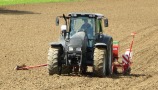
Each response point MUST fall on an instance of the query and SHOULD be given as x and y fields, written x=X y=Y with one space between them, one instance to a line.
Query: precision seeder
x=126 y=58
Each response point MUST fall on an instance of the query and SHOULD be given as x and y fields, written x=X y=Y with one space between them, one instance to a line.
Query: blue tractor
x=82 y=44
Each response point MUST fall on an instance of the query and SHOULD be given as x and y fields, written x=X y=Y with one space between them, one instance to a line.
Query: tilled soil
x=27 y=30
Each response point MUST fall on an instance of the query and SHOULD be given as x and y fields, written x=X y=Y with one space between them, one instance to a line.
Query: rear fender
x=104 y=40
x=101 y=45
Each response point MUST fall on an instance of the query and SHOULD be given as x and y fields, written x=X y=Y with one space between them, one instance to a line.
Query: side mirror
x=106 y=22
x=57 y=21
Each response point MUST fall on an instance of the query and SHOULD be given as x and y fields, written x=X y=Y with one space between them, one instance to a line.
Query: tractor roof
x=75 y=14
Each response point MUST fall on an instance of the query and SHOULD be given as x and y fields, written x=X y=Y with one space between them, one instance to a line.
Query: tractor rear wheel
x=53 y=58
x=100 y=56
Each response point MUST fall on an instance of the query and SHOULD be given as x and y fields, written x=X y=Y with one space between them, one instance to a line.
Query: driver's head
x=85 y=20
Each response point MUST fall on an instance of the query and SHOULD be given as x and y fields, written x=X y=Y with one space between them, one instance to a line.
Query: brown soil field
x=26 y=31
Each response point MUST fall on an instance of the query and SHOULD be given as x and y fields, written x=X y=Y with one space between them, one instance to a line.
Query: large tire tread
x=53 y=57
x=99 y=62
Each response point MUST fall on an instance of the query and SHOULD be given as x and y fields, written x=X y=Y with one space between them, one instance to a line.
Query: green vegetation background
x=12 y=2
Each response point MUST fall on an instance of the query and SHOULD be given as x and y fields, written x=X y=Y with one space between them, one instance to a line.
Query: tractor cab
x=90 y=23
x=86 y=24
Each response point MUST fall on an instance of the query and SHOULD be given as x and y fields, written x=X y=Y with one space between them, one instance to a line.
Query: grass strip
x=12 y=2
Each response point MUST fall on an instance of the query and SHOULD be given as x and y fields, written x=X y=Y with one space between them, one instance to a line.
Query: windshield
x=85 y=24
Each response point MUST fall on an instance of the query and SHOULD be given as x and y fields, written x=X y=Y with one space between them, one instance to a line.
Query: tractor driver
x=87 y=28
x=86 y=25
